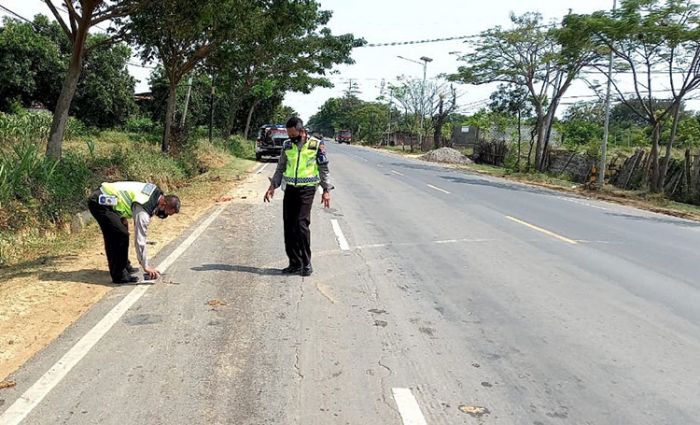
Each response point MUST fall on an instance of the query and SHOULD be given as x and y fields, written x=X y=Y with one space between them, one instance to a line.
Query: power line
x=17 y=15
x=434 y=40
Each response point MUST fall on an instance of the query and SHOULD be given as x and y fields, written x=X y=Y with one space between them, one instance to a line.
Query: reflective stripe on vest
x=302 y=168
x=127 y=193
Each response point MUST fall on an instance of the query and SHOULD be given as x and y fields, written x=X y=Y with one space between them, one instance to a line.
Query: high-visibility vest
x=302 y=167
x=128 y=193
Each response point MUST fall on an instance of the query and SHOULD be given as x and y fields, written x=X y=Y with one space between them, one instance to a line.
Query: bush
x=34 y=127
x=240 y=147
x=141 y=125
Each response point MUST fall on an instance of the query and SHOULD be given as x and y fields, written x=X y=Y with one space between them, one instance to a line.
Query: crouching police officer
x=303 y=165
x=111 y=205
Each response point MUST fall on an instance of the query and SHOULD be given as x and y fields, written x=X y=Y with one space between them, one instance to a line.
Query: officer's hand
x=326 y=199
x=269 y=194
x=125 y=222
x=152 y=272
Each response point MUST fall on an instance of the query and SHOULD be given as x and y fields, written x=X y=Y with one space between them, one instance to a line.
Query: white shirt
x=141 y=221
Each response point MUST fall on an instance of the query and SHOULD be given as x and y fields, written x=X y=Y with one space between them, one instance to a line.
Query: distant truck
x=271 y=137
x=344 y=136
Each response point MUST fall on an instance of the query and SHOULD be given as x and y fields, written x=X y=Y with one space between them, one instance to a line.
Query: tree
x=649 y=38
x=545 y=59
x=283 y=113
x=286 y=48
x=437 y=100
x=82 y=16
x=31 y=65
x=510 y=99
x=182 y=34
x=105 y=93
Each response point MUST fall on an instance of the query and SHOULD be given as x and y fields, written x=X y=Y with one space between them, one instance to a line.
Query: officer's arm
x=323 y=171
x=276 y=180
x=141 y=221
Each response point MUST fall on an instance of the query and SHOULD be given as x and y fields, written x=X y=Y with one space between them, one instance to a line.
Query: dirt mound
x=446 y=155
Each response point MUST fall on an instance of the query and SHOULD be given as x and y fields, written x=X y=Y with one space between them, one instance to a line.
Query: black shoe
x=291 y=269
x=307 y=270
x=131 y=269
x=127 y=279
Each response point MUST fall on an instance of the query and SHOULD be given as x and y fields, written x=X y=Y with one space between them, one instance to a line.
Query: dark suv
x=270 y=140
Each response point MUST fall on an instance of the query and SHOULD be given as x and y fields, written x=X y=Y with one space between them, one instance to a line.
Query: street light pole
x=424 y=62
x=606 y=128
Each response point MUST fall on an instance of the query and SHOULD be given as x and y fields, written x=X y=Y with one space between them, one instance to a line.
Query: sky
x=386 y=21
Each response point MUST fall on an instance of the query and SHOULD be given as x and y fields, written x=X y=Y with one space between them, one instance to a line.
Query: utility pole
x=211 y=108
x=187 y=101
x=424 y=62
x=606 y=127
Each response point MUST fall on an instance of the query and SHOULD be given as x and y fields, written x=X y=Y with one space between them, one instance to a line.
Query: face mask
x=296 y=139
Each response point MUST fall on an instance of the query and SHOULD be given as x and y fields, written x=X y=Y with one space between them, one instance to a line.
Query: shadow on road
x=91 y=276
x=662 y=220
x=497 y=185
x=234 y=268
x=417 y=166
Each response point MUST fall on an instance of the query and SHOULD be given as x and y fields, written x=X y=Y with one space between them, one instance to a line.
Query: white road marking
x=397 y=173
x=342 y=242
x=408 y=407
x=438 y=189
x=545 y=231
x=263 y=168
x=41 y=388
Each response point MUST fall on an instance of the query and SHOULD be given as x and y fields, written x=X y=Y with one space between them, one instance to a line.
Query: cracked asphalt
x=483 y=319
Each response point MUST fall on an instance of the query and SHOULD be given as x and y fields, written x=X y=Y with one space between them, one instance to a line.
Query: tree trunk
x=250 y=117
x=548 y=122
x=669 y=145
x=654 y=159
x=539 y=141
x=70 y=84
x=520 y=139
x=437 y=135
x=169 y=116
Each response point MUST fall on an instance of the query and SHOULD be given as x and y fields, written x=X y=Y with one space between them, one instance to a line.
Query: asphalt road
x=439 y=298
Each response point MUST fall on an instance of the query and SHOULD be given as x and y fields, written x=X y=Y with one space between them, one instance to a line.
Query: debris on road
x=216 y=303
x=475 y=411
x=7 y=384
x=447 y=156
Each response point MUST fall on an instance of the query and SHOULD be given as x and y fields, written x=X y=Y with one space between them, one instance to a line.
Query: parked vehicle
x=271 y=137
x=344 y=136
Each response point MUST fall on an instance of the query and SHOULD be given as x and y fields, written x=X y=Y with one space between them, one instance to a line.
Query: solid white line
x=263 y=167
x=545 y=231
x=397 y=173
x=408 y=407
x=41 y=388
x=437 y=188
x=342 y=242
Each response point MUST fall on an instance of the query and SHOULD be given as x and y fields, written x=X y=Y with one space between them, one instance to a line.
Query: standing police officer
x=111 y=205
x=303 y=165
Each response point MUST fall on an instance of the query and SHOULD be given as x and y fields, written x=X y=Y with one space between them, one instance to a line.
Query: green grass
x=38 y=196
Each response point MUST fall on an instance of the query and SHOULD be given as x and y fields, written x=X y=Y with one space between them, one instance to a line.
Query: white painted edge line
x=541 y=230
x=438 y=189
x=262 y=168
x=31 y=398
x=397 y=173
x=408 y=407
x=342 y=242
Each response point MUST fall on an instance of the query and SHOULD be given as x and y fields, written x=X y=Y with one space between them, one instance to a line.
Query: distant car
x=271 y=137
x=344 y=136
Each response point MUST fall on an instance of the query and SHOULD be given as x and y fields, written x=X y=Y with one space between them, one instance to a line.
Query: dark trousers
x=116 y=237
x=297 y=218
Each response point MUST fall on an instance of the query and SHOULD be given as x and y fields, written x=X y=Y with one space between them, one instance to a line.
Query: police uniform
x=303 y=166
x=124 y=200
